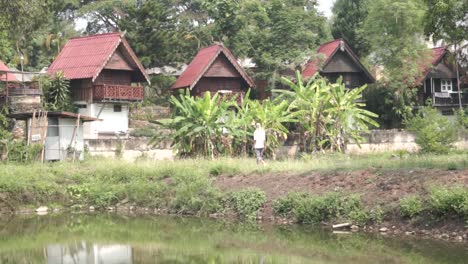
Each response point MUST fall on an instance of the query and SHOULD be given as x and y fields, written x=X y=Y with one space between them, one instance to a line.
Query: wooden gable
x=341 y=62
x=118 y=62
x=222 y=67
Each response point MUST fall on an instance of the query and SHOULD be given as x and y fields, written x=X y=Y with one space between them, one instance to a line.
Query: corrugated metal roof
x=436 y=56
x=5 y=76
x=202 y=62
x=327 y=50
x=62 y=114
x=85 y=57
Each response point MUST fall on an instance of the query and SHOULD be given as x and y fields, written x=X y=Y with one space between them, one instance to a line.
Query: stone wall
x=394 y=140
x=130 y=149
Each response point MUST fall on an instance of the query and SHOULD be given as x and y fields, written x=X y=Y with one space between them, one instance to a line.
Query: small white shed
x=61 y=133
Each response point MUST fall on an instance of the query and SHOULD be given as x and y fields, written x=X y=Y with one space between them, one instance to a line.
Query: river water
x=116 y=239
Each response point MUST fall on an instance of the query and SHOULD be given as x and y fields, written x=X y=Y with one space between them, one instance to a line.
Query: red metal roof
x=202 y=62
x=5 y=76
x=327 y=50
x=85 y=57
x=436 y=56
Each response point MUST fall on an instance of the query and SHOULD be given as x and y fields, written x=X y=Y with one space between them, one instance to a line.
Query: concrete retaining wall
x=130 y=149
x=394 y=140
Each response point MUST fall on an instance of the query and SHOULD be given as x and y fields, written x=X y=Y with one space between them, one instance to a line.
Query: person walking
x=259 y=138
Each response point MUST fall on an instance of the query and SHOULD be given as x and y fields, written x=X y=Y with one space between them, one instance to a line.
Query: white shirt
x=259 y=137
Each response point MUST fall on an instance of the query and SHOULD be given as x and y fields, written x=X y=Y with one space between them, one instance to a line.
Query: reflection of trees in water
x=81 y=252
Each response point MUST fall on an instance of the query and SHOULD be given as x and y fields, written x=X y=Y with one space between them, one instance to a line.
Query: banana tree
x=329 y=115
x=348 y=116
x=196 y=124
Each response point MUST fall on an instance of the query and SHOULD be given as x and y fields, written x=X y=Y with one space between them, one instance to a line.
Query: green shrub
x=434 y=132
x=248 y=202
x=284 y=206
x=193 y=194
x=445 y=201
x=147 y=131
x=411 y=206
x=308 y=208
x=462 y=117
x=221 y=168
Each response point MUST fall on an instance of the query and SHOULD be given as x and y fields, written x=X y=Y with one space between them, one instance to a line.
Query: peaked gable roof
x=203 y=61
x=437 y=55
x=85 y=57
x=5 y=75
x=328 y=50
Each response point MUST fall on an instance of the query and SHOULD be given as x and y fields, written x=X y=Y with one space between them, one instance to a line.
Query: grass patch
x=309 y=208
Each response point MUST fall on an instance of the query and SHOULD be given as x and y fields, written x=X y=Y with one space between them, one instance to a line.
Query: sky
x=325 y=6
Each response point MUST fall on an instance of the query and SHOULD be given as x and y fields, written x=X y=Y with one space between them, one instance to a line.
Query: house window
x=445 y=85
x=117 y=108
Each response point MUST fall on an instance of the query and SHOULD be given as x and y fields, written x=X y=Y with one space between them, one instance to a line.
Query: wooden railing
x=16 y=89
x=449 y=99
x=110 y=92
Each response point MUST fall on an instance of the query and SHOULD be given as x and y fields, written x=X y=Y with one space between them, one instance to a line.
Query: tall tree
x=394 y=29
x=447 y=20
x=348 y=19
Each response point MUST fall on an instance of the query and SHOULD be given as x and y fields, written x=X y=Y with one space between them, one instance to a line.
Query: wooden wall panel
x=114 y=77
x=82 y=90
x=341 y=62
x=216 y=84
x=222 y=67
x=118 y=62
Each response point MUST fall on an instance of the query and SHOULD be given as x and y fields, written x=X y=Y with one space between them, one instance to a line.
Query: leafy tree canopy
x=348 y=18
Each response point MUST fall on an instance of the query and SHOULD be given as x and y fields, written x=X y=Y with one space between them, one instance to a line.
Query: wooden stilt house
x=106 y=76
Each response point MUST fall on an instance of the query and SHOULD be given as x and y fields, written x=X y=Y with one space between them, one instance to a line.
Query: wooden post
x=44 y=125
x=433 y=92
x=74 y=136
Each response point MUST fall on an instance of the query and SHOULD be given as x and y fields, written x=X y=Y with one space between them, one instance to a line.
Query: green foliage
x=394 y=30
x=462 y=118
x=442 y=21
x=308 y=208
x=449 y=201
x=194 y=194
x=284 y=206
x=248 y=202
x=348 y=17
x=19 y=151
x=328 y=114
x=208 y=126
x=57 y=95
x=434 y=132
x=147 y=131
x=411 y=206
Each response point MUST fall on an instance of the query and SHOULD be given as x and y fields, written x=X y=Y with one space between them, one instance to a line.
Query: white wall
x=66 y=130
x=112 y=122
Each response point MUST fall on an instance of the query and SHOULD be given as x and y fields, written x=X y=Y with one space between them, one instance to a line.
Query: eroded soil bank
x=376 y=187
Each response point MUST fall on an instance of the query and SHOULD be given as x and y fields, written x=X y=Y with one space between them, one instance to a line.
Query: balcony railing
x=449 y=99
x=118 y=93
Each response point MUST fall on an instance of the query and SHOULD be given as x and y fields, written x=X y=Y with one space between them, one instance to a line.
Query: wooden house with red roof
x=439 y=82
x=105 y=76
x=335 y=59
x=214 y=69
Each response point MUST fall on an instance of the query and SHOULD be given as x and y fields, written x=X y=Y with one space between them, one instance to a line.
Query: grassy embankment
x=186 y=186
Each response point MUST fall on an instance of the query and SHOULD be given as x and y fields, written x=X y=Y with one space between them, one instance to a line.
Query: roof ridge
x=96 y=35
x=338 y=39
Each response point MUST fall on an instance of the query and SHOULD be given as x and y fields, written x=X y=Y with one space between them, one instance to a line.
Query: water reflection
x=110 y=239
x=88 y=253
